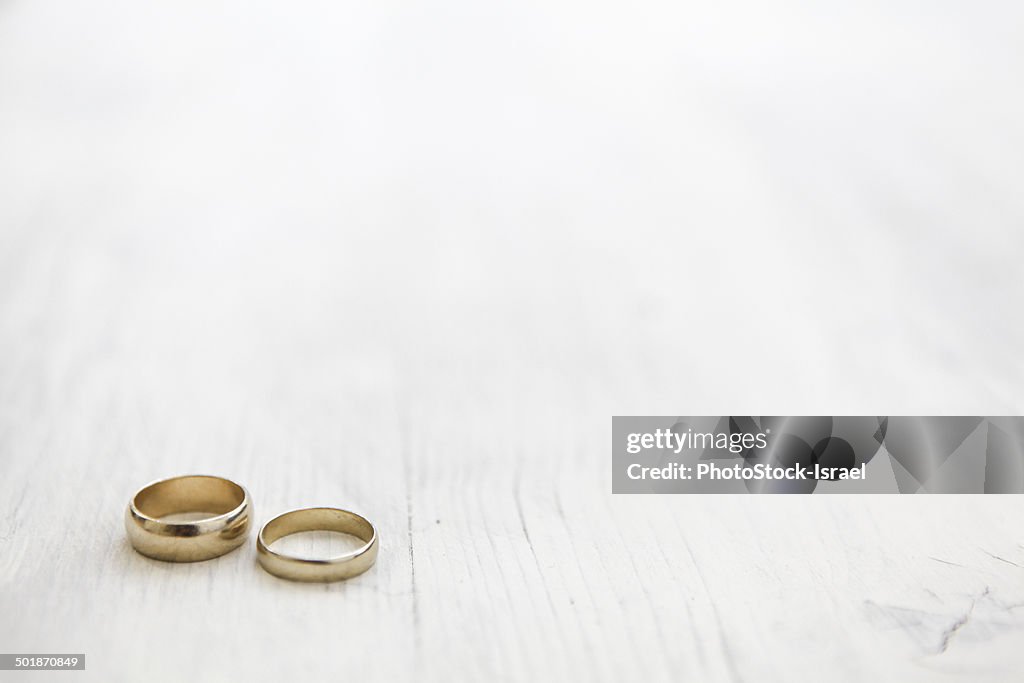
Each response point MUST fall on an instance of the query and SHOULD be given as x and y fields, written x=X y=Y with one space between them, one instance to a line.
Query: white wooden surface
x=409 y=259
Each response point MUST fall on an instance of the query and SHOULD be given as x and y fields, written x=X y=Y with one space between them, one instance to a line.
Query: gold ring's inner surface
x=193 y=495
x=318 y=519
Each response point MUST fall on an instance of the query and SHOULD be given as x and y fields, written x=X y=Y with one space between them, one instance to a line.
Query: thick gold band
x=226 y=505
x=317 y=519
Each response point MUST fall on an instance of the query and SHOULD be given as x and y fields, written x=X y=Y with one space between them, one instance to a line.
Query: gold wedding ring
x=317 y=519
x=222 y=509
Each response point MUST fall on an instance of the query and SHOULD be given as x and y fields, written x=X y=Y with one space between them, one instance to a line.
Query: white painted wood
x=409 y=259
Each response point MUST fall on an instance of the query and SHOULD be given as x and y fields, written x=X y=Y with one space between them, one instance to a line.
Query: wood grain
x=409 y=260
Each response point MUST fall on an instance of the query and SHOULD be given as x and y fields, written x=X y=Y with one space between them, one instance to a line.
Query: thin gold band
x=317 y=519
x=225 y=528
